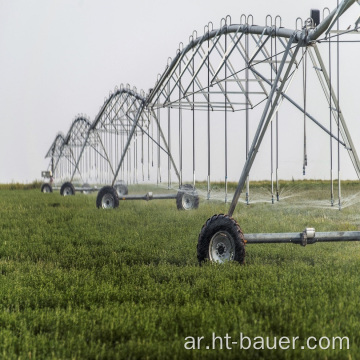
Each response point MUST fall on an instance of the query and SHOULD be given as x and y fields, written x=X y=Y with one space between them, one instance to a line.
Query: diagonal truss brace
x=337 y=113
x=266 y=117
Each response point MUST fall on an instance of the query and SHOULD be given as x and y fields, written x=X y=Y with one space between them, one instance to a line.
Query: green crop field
x=82 y=283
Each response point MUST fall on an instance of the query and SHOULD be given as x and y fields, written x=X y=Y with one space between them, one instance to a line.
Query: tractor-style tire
x=121 y=189
x=46 y=188
x=220 y=240
x=107 y=198
x=187 y=198
x=67 y=189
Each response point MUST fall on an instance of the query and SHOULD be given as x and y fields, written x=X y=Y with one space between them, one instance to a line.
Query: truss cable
x=247 y=141
x=86 y=162
x=122 y=151
x=89 y=164
x=193 y=124
x=277 y=121
x=83 y=167
x=152 y=143
x=208 y=119
x=82 y=163
x=127 y=151
x=100 y=164
x=142 y=155
x=96 y=163
x=148 y=146
x=117 y=135
x=58 y=172
x=271 y=127
x=101 y=167
x=169 y=144
x=131 y=155
x=330 y=118
x=136 y=159
x=158 y=148
x=180 y=130
x=136 y=164
x=107 y=141
x=226 y=124
x=108 y=149
x=104 y=145
x=106 y=136
x=111 y=151
x=304 y=96
x=338 y=107
x=133 y=162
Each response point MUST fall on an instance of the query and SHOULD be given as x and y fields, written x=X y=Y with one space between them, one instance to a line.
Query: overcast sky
x=59 y=58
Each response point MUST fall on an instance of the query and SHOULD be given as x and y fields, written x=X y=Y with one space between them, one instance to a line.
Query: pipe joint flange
x=307 y=236
x=303 y=238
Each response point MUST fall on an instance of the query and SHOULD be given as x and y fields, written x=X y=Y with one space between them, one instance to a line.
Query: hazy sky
x=62 y=57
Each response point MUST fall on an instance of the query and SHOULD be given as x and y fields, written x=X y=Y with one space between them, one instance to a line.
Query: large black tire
x=187 y=198
x=107 y=198
x=121 y=189
x=46 y=188
x=67 y=189
x=220 y=240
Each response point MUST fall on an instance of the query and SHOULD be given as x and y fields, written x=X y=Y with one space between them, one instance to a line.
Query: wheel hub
x=221 y=247
x=188 y=202
x=107 y=201
x=120 y=190
x=67 y=191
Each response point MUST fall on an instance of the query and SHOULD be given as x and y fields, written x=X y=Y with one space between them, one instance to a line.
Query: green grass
x=81 y=283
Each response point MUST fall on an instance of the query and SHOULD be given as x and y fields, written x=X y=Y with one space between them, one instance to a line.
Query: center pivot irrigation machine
x=97 y=152
x=237 y=69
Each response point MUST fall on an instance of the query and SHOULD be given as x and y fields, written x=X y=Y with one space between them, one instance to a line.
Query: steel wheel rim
x=118 y=190
x=107 y=201
x=221 y=247
x=187 y=201
x=46 y=189
x=67 y=191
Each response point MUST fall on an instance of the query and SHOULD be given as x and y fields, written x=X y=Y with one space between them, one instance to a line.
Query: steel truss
x=64 y=151
x=231 y=70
